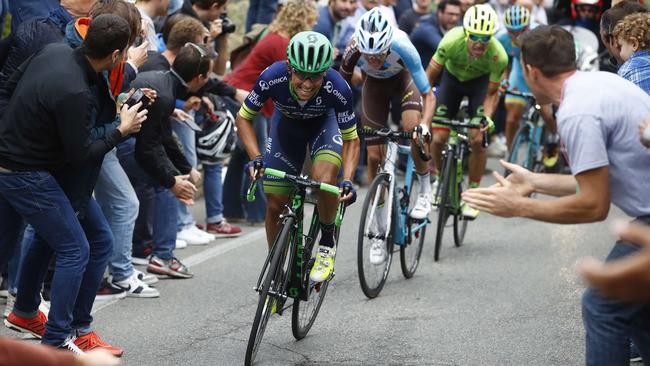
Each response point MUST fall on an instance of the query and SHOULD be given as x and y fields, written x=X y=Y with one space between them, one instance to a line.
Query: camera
x=138 y=96
x=228 y=25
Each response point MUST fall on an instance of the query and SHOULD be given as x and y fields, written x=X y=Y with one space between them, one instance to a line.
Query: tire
x=373 y=277
x=304 y=313
x=411 y=251
x=519 y=154
x=270 y=283
x=460 y=223
x=443 y=206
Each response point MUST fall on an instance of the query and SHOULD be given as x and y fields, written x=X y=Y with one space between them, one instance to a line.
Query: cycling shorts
x=376 y=95
x=518 y=83
x=451 y=93
x=289 y=139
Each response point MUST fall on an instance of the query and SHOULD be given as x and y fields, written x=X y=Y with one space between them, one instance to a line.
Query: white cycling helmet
x=374 y=35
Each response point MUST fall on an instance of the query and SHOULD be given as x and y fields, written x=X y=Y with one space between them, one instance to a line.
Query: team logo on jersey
x=329 y=86
x=254 y=98
x=264 y=85
x=337 y=139
x=319 y=100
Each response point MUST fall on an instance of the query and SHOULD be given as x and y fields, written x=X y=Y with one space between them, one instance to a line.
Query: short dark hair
x=106 y=34
x=192 y=60
x=550 y=49
x=443 y=4
x=207 y=4
x=123 y=9
x=615 y=14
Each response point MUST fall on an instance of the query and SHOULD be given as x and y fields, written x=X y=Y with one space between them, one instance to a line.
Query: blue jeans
x=187 y=138
x=16 y=262
x=260 y=12
x=116 y=197
x=610 y=324
x=165 y=210
x=22 y=10
x=213 y=189
x=37 y=197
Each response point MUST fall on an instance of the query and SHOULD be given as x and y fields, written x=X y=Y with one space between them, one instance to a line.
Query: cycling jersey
x=452 y=53
x=335 y=93
x=516 y=79
x=320 y=124
x=401 y=55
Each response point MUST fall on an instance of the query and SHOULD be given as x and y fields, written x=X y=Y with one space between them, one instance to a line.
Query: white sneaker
x=377 y=253
x=201 y=233
x=136 y=288
x=147 y=278
x=11 y=299
x=180 y=244
x=191 y=238
x=422 y=207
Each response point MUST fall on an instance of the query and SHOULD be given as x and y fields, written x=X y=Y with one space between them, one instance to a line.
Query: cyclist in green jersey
x=471 y=63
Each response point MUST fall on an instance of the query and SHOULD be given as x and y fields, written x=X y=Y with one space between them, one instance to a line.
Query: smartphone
x=138 y=96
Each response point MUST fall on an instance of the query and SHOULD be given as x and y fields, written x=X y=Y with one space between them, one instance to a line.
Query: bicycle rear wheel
x=520 y=149
x=460 y=222
x=374 y=230
x=271 y=286
x=304 y=313
x=443 y=196
x=410 y=252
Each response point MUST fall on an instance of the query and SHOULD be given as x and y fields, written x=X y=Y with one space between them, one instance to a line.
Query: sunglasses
x=202 y=52
x=315 y=77
x=479 y=38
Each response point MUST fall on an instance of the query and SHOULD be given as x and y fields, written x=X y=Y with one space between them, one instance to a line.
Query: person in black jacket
x=158 y=161
x=58 y=95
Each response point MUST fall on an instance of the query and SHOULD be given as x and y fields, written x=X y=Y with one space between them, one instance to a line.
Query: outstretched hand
x=626 y=279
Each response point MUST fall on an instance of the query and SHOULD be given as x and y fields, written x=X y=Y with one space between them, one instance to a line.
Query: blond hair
x=295 y=17
x=635 y=27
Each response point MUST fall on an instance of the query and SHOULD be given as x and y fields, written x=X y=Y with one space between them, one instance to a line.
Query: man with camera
x=213 y=15
x=155 y=159
x=58 y=96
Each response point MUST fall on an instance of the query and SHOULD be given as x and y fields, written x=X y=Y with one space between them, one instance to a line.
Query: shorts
x=451 y=93
x=376 y=95
x=288 y=141
x=518 y=83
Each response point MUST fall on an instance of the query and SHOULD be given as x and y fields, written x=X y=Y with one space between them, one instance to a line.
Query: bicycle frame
x=455 y=149
x=403 y=233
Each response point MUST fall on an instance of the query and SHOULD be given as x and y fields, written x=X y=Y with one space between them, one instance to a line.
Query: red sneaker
x=92 y=341
x=35 y=325
x=224 y=230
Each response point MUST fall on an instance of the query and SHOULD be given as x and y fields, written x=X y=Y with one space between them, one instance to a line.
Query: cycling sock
x=327 y=234
x=425 y=187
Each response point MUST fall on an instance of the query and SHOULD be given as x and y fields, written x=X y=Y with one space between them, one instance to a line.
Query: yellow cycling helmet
x=481 y=20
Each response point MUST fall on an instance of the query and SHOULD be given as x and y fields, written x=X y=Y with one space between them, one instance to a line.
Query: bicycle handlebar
x=397 y=135
x=457 y=125
x=297 y=180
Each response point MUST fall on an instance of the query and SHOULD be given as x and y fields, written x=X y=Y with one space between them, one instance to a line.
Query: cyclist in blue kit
x=314 y=112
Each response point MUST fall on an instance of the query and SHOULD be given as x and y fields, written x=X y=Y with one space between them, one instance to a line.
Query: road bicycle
x=531 y=140
x=387 y=195
x=285 y=273
x=452 y=180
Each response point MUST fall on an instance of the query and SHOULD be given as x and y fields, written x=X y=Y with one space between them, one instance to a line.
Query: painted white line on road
x=205 y=255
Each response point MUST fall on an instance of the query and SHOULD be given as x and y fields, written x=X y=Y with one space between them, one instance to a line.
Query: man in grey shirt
x=609 y=165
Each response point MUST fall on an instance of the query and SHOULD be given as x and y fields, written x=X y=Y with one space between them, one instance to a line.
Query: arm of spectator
x=220 y=63
x=174 y=152
x=20 y=353
x=137 y=56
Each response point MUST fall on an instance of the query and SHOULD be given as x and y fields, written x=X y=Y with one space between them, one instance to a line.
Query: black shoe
x=108 y=291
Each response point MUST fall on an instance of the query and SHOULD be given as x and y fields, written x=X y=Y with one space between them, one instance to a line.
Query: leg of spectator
x=266 y=11
x=232 y=203
x=10 y=231
x=119 y=203
x=608 y=322
x=164 y=223
x=186 y=136
x=213 y=190
x=100 y=240
x=251 y=15
x=15 y=263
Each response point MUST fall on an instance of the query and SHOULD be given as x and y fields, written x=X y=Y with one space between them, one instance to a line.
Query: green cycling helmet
x=310 y=52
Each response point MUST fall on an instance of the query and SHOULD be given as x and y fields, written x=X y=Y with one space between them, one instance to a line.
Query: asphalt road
x=509 y=296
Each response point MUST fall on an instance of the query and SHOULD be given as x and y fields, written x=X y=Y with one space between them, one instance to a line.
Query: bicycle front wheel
x=304 y=313
x=374 y=231
x=443 y=196
x=410 y=252
x=520 y=149
x=460 y=222
x=271 y=286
